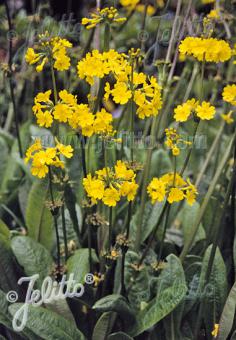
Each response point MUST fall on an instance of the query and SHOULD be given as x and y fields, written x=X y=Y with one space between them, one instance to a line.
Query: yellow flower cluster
x=208 y=49
x=214 y=14
x=173 y=187
x=204 y=111
x=229 y=94
x=173 y=139
x=67 y=110
x=227 y=117
x=110 y=185
x=146 y=91
x=52 y=50
x=132 y=5
x=42 y=158
x=98 y=65
x=105 y=15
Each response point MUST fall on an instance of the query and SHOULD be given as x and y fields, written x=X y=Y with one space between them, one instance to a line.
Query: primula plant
x=118 y=170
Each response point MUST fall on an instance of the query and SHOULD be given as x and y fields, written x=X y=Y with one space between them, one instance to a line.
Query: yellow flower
x=93 y=187
x=205 y=111
x=156 y=190
x=229 y=94
x=31 y=57
x=34 y=147
x=175 y=195
x=115 y=183
x=191 y=193
x=122 y=172
x=214 y=14
x=172 y=186
x=182 y=112
x=62 y=112
x=40 y=67
x=121 y=93
x=65 y=150
x=103 y=122
x=215 y=331
x=42 y=158
x=172 y=141
x=111 y=197
x=107 y=14
x=228 y=117
x=49 y=49
x=208 y=49
x=150 y=9
x=129 y=189
x=44 y=118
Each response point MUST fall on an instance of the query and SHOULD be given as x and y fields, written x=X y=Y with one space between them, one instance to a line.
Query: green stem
x=106 y=46
x=190 y=149
x=164 y=233
x=123 y=291
x=110 y=229
x=197 y=123
x=54 y=84
x=144 y=24
x=124 y=250
x=88 y=43
x=107 y=36
x=83 y=157
x=90 y=247
x=145 y=180
x=54 y=214
x=132 y=114
x=64 y=231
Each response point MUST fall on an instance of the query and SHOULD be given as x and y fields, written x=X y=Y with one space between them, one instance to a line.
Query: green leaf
x=33 y=257
x=78 y=264
x=4 y=156
x=47 y=324
x=119 y=336
x=115 y=303
x=227 y=316
x=4 y=230
x=8 y=267
x=187 y=217
x=150 y=218
x=171 y=290
x=137 y=282
x=161 y=163
x=70 y=232
x=102 y=327
x=74 y=210
x=216 y=289
x=38 y=217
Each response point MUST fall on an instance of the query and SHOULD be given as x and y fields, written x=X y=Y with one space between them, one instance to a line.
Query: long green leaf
x=47 y=324
x=33 y=257
x=78 y=264
x=227 y=316
x=170 y=292
x=38 y=217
